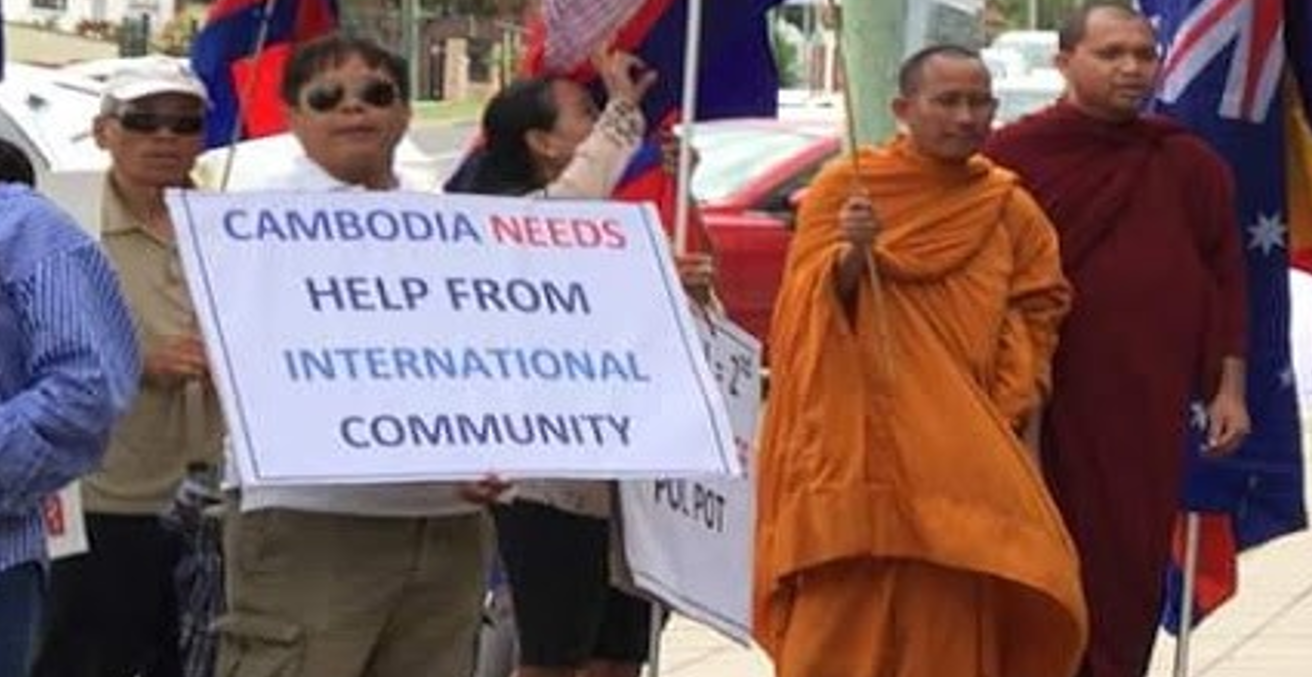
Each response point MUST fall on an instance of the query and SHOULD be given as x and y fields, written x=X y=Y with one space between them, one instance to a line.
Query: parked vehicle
x=1003 y=63
x=1023 y=94
x=749 y=179
x=1036 y=48
x=49 y=115
x=100 y=70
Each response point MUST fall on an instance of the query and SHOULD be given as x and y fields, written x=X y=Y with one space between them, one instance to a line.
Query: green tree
x=787 y=55
x=1050 y=12
x=486 y=7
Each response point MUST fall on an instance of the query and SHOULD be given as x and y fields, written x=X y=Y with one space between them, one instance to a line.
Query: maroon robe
x=1147 y=223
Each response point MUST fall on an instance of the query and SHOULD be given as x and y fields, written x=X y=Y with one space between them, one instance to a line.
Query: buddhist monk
x=903 y=530
x=1146 y=217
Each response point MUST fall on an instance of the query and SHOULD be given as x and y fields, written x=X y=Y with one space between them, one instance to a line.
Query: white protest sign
x=689 y=541
x=363 y=337
x=66 y=526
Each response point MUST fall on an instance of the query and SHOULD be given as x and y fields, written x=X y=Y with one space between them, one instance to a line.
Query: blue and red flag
x=225 y=56
x=737 y=76
x=1221 y=75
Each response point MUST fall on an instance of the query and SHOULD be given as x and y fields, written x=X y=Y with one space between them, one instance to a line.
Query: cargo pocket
x=258 y=646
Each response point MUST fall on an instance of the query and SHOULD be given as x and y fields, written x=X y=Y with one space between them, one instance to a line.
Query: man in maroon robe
x=1147 y=223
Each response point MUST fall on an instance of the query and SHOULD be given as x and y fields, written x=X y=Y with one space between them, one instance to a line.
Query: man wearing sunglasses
x=351 y=581
x=114 y=612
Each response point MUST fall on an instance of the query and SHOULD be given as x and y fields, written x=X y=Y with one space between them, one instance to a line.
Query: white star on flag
x=1287 y=377
x=1267 y=234
x=1198 y=416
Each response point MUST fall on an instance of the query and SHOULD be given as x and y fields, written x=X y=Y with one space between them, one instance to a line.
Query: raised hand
x=624 y=75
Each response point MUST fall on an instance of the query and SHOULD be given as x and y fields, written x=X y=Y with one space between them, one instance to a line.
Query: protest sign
x=367 y=337
x=689 y=541
x=65 y=523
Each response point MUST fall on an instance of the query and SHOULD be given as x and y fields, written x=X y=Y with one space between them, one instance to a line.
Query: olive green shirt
x=170 y=425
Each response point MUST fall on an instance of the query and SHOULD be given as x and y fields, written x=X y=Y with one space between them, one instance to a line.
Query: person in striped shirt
x=68 y=369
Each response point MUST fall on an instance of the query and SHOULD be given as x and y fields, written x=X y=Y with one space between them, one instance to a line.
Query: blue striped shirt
x=68 y=362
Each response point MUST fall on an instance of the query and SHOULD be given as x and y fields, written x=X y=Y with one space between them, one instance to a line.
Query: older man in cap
x=114 y=611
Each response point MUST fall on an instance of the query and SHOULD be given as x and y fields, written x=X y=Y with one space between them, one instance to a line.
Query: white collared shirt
x=435 y=499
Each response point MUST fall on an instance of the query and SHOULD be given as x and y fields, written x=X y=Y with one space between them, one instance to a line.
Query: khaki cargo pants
x=324 y=595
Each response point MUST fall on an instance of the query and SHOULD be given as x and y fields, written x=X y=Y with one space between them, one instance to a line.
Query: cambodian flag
x=737 y=74
x=1221 y=75
x=225 y=56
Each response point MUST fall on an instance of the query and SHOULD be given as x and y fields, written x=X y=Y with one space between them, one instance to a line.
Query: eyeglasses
x=373 y=92
x=143 y=122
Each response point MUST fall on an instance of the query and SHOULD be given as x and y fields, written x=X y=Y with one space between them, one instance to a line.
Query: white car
x=49 y=115
x=100 y=70
x=1036 y=48
x=1025 y=94
x=805 y=105
x=1003 y=63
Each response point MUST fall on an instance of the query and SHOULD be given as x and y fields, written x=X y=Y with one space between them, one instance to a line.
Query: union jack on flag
x=1221 y=75
x=1251 y=32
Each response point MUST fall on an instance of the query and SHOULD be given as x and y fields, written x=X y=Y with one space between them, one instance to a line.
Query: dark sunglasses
x=142 y=122
x=373 y=92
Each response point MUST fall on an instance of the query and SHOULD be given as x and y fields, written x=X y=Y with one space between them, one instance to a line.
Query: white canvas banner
x=689 y=541
x=361 y=337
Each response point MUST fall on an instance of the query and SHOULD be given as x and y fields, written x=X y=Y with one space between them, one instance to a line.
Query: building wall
x=457 y=55
x=68 y=14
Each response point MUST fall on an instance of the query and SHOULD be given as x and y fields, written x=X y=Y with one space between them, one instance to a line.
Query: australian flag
x=1221 y=74
x=227 y=56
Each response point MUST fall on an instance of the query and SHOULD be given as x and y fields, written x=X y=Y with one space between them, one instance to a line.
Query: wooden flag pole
x=885 y=366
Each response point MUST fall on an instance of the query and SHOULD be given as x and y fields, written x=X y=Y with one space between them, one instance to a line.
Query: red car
x=748 y=178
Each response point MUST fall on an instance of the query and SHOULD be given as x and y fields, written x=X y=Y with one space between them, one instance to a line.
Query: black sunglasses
x=374 y=92
x=142 y=122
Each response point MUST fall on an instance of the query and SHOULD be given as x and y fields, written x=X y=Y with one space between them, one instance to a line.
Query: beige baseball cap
x=151 y=75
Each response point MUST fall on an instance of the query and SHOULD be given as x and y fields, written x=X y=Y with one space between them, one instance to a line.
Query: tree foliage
x=484 y=7
x=1050 y=12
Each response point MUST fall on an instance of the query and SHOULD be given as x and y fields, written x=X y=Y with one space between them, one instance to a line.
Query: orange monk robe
x=918 y=474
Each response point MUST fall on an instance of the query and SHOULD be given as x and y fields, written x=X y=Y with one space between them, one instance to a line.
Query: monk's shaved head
x=1076 y=24
x=912 y=74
